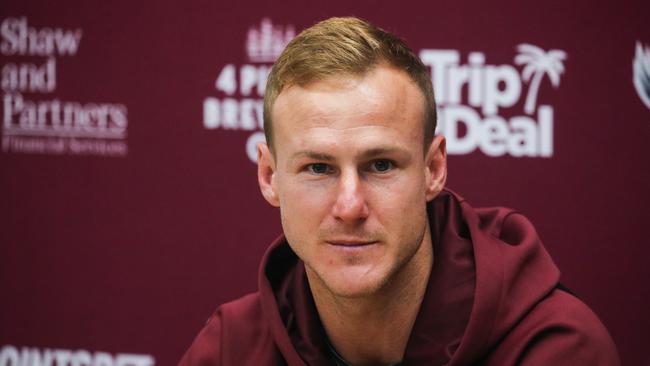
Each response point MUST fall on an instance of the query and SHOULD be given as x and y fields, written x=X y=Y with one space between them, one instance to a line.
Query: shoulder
x=236 y=333
x=560 y=330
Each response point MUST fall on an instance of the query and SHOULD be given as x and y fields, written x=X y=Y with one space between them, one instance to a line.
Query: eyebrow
x=382 y=151
x=312 y=155
x=368 y=154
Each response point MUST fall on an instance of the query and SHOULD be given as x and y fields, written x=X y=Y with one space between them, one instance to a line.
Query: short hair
x=350 y=46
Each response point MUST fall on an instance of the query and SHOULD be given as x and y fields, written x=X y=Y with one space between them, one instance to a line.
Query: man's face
x=351 y=177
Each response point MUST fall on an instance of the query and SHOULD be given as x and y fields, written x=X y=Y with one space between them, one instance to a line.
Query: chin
x=353 y=282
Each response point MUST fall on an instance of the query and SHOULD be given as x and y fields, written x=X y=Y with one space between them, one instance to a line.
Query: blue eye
x=318 y=168
x=382 y=165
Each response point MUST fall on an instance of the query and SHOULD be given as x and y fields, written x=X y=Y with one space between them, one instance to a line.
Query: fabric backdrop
x=131 y=208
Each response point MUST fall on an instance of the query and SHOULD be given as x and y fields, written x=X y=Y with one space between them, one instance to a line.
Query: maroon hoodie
x=492 y=299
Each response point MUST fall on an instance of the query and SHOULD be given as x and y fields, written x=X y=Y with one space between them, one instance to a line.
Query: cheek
x=302 y=208
x=401 y=207
x=300 y=197
x=400 y=195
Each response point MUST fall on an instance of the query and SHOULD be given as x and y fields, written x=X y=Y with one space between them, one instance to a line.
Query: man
x=379 y=264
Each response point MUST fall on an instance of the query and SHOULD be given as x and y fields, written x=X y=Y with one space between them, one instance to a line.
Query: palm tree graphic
x=538 y=63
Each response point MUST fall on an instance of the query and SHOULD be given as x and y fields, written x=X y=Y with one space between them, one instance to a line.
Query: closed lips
x=350 y=243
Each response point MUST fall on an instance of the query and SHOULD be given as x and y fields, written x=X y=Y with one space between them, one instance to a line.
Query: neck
x=374 y=329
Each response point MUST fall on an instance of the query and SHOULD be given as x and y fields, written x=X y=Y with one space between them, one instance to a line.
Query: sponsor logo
x=36 y=125
x=478 y=103
x=471 y=97
x=238 y=105
x=641 y=71
x=30 y=356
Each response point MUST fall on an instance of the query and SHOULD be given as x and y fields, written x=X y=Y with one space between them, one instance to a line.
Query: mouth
x=346 y=243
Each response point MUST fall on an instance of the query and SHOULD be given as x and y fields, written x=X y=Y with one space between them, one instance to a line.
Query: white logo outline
x=538 y=63
x=641 y=73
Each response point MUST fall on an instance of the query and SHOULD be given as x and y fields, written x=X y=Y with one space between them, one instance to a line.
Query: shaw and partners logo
x=30 y=356
x=641 y=71
x=489 y=89
x=240 y=87
x=47 y=125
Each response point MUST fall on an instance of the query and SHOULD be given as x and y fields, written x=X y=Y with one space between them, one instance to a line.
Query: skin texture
x=351 y=177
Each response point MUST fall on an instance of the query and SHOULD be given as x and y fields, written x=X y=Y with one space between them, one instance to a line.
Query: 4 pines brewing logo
x=240 y=88
x=490 y=88
x=33 y=124
x=471 y=97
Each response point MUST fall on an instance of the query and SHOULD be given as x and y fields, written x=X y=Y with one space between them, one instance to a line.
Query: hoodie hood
x=490 y=269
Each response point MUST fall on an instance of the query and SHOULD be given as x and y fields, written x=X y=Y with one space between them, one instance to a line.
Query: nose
x=351 y=204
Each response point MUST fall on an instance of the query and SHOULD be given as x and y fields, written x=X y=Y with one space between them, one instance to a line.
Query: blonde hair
x=345 y=46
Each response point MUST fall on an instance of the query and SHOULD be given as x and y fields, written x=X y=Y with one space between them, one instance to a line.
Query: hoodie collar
x=469 y=304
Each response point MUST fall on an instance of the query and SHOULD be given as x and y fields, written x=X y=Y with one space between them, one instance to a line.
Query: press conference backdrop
x=130 y=207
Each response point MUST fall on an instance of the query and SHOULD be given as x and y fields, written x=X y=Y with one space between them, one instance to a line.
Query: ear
x=266 y=174
x=436 y=167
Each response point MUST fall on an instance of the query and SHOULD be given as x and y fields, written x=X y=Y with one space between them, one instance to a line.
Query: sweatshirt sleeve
x=562 y=330
x=206 y=348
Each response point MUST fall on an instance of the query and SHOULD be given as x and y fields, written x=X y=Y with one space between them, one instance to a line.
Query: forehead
x=349 y=109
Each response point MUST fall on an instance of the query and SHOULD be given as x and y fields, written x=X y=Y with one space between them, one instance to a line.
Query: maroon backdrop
x=130 y=207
